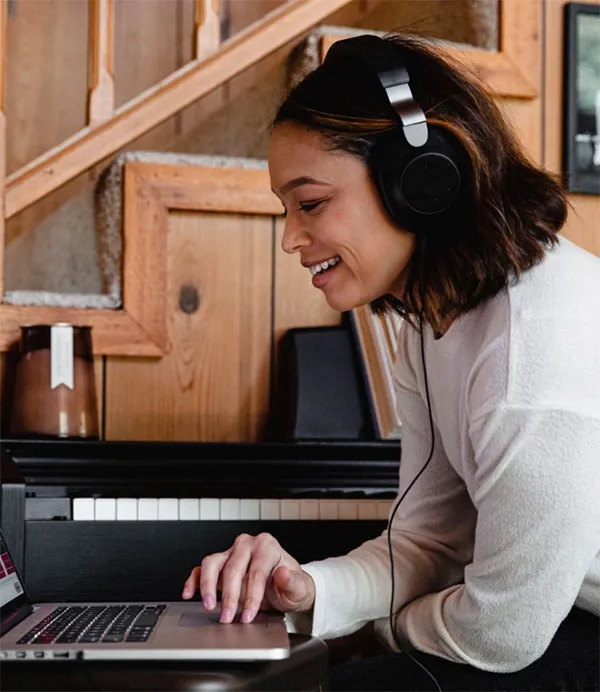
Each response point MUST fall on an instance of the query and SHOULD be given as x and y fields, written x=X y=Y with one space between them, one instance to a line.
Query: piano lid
x=206 y=469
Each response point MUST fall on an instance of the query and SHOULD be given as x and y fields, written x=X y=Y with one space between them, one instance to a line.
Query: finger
x=266 y=556
x=290 y=588
x=210 y=570
x=191 y=583
x=233 y=574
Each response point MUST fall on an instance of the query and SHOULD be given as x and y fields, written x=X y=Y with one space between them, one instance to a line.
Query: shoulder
x=555 y=331
x=536 y=342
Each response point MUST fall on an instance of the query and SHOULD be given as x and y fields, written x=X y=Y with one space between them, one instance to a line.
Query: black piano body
x=331 y=497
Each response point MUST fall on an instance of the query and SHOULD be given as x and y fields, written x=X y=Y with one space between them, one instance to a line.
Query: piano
x=129 y=520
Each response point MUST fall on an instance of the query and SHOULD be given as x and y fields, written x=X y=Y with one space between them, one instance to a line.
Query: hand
x=257 y=571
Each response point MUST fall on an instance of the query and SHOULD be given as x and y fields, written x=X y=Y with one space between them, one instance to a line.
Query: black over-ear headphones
x=418 y=171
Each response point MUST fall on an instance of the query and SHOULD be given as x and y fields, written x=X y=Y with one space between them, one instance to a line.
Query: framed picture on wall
x=581 y=147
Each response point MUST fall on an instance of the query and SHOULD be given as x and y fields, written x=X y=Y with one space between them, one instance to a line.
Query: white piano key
x=83 y=509
x=367 y=509
x=309 y=508
x=383 y=509
x=105 y=509
x=189 y=509
x=328 y=509
x=147 y=508
x=348 y=509
x=249 y=509
x=269 y=509
x=209 y=508
x=290 y=509
x=168 y=509
x=230 y=508
x=127 y=509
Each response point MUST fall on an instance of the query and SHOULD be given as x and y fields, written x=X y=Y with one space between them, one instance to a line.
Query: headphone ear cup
x=417 y=186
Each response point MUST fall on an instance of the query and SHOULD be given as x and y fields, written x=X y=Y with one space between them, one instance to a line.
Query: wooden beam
x=114 y=332
x=93 y=144
x=498 y=72
x=101 y=103
x=3 y=32
x=208 y=28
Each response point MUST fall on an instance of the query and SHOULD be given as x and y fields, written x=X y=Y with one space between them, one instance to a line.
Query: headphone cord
x=416 y=478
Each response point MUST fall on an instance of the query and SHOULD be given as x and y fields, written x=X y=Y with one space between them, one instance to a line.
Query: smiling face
x=334 y=215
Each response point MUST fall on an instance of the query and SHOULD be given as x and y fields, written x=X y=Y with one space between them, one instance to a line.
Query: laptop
x=179 y=631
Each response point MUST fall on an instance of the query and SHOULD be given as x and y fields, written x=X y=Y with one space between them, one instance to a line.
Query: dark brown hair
x=513 y=209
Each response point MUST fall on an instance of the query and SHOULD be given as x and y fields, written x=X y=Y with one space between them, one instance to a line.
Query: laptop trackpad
x=203 y=619
x=199 y=619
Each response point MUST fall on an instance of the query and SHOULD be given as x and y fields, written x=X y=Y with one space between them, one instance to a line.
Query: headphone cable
x=416 y=478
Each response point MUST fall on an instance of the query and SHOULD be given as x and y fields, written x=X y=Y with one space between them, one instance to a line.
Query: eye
x=307 y=207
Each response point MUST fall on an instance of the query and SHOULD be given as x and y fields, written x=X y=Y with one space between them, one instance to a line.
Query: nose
x=294 y=238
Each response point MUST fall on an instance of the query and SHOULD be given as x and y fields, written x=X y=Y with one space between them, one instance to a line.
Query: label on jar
x=61 y=356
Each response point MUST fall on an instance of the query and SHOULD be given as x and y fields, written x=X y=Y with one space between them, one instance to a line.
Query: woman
x=495 y=535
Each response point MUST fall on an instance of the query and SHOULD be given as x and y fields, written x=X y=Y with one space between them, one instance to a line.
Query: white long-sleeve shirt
x=500 y=536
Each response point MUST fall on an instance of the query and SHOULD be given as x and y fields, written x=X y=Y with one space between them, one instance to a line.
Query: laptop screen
x=12 y=593
x=10 y=586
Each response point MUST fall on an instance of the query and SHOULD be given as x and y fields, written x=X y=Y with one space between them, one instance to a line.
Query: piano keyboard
x=223 y=509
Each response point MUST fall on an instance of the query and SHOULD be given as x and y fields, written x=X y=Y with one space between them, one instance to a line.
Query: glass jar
x=55 y=387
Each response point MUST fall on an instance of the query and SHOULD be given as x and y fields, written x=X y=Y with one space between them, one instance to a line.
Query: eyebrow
x=297 y=182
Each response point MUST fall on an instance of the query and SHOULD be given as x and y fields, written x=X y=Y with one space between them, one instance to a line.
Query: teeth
x=318 y=268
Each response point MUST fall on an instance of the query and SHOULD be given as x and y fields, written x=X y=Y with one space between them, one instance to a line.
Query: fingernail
x=186 y=593
x=227 y=615
x=208 y=603
x=246 y=616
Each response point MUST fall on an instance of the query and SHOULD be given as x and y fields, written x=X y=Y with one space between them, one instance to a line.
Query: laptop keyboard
x=91 y=624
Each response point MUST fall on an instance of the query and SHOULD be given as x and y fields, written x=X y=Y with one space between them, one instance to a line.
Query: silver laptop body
x=180 y=631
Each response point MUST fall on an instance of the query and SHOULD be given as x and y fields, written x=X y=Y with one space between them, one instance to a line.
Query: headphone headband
x=383 y=59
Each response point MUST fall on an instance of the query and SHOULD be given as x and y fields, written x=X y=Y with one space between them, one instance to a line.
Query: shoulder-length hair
x=512 y=211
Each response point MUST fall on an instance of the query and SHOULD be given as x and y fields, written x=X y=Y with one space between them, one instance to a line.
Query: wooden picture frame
x=150 y=191
x=513 y=71
x=581 y=98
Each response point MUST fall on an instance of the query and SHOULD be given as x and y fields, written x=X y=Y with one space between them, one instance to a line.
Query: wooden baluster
x=3 y=50
x=101 y=105
x=208 y=28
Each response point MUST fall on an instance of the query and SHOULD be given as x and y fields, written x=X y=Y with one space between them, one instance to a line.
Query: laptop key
x=147 y=620
x=113 y=637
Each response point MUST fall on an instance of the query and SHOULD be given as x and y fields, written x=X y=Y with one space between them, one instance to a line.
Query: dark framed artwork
x=581 y=146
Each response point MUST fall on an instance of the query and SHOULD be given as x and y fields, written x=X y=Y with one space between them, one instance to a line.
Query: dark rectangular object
x=319 y=392
x=581 y=86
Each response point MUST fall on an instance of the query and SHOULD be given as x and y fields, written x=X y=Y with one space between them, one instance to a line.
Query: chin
x=342 y=303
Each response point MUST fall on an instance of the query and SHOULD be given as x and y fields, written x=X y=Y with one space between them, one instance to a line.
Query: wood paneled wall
x=232 y=293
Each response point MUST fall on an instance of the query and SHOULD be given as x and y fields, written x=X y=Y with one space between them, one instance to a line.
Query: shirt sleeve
x=432 y=533
x=536 y=488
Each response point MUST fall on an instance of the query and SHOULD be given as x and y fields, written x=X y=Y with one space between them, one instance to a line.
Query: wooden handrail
x=208 y=28
x=93 y=144
x=3 y=26
x=101 y=104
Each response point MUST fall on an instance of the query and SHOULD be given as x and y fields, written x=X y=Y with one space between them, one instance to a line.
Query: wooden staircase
x=513 y=72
